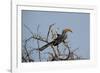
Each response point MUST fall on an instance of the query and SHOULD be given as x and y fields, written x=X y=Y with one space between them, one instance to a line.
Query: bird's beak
x=67 y=30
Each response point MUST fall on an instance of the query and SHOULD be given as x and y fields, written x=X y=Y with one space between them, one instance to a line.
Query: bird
x=60 y=38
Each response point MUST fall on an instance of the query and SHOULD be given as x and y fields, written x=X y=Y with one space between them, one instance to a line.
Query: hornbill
x=60 y=38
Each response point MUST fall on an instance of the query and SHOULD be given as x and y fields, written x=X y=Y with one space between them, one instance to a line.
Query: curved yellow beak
x=67 y=30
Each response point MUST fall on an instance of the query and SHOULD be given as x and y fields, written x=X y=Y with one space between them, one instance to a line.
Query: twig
x=23 y=59
x=58 y=50
x=38 y=43
x=75 y=49
x=49 y=30
x=39 y=38
x=54 y=50
x=67 y=46
x=53 y=35
x=26 y=48
x=28 y=29
x=33 y=36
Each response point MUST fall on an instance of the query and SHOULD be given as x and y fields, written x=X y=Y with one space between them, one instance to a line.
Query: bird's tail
x=45 y=46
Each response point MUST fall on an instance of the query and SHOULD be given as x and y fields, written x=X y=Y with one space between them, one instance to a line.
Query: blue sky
x=78 y=22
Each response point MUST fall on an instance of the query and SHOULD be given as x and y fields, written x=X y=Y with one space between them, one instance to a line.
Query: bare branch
x=28 y=29
x=49 y=30
x=38 y=42
x=39 y=38
x=67 y=46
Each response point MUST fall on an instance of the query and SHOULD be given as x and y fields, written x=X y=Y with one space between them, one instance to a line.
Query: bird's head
x=67 y=30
